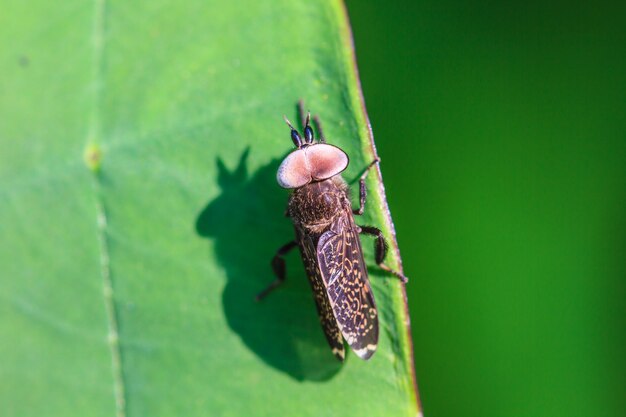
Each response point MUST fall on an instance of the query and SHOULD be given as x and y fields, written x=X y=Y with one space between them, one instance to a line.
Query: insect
x=328 y=239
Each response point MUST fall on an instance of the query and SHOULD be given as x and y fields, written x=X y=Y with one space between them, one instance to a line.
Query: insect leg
x=301 y=112
x=318 y=127
x=278 y=265
x=362 y=190
x=380 y=249
x=316 y=121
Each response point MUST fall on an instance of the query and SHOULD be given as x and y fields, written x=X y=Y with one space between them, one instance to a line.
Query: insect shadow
x=247 y=224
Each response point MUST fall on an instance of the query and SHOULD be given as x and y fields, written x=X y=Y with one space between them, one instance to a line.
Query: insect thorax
x=316 y=205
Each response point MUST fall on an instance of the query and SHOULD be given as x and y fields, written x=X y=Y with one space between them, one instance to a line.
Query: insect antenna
x=308 y=131
x=295 y=136
x=288 y=122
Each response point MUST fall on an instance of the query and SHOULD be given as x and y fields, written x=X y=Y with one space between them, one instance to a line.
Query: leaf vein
x=94 y=137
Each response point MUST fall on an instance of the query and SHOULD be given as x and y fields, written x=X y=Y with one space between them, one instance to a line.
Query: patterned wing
x=345 y=276
x=324 y=309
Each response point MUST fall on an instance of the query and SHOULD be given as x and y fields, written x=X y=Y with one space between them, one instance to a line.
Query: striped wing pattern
x=324 y=308
x=344 y=276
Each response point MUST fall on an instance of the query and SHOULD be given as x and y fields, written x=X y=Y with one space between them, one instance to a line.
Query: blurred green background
x=501 y=127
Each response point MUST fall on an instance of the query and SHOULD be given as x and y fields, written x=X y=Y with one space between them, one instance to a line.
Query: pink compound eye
x=325 y=160
x=315 y=162
x=294 y=171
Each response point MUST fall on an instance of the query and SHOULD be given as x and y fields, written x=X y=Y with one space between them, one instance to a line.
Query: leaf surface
x=139 y=211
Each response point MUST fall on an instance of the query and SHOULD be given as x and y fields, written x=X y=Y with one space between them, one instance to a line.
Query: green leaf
x=139 y=211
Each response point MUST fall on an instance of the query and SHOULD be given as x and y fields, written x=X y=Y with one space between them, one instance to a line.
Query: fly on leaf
x=328 y=239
